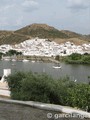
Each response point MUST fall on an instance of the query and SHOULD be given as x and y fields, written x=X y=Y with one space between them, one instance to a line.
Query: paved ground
x=9 y=111
x=4 y=89
x=4 y=92
x=3 y=85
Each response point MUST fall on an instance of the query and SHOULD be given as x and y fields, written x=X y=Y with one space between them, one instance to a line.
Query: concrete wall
x=19 y=110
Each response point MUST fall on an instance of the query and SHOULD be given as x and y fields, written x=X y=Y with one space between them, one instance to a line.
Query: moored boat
x=33 y=61
x=25 y=60
x=57 y=66
x=13 y=60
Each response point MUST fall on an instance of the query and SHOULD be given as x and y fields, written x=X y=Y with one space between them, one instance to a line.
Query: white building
x=44 y=47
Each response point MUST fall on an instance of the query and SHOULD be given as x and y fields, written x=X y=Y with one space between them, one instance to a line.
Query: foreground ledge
x=48 y=107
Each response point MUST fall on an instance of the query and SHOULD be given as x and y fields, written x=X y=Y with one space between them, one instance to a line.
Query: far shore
x=46 y=59
x=32 y=58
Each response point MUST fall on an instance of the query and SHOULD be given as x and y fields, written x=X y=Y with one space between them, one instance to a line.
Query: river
x=76 y=72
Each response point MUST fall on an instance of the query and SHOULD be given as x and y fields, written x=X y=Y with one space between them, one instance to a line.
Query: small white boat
x=33 y=61
x=13 y=60
x=13 y=64
x=25 y=60
x=6 y=59
x=75 y=80
x=57 y=67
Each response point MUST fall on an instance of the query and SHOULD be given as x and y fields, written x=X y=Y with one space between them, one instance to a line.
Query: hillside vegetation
x=41 y=31
x=71 y=34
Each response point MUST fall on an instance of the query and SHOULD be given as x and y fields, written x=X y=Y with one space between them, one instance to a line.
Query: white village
x=45 y=47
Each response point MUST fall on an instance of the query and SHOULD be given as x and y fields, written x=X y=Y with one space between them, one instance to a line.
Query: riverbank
x=31 y=58
x=76 y=58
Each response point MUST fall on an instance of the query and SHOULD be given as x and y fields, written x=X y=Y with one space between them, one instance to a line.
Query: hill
x=41 y=31
x=76 y=35
x=87 y=37
x=9 y=37
x=71 y=34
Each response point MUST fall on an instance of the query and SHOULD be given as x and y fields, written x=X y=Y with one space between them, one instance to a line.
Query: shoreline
x=33 y=58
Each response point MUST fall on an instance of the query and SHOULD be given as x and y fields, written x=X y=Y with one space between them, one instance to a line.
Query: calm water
x=79 y=72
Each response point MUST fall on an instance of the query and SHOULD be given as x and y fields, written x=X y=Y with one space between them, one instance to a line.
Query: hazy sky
x=71 y=15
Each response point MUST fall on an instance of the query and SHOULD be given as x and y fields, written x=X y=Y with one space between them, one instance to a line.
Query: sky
x=73 y=15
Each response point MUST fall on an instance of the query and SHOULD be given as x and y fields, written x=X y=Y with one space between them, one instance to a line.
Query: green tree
x=29 y=86
x=86 y=59
x=1 y=54
x=14 y=82
x=57 y=57
x=13 y=52
x=75 y=56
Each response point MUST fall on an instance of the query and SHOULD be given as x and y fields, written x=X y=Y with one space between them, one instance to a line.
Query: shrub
x=75 y=56
x=29 y=86
x=43 y=88
x=79 y=96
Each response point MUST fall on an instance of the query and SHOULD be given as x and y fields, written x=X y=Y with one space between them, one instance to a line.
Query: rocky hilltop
x=41 y=31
